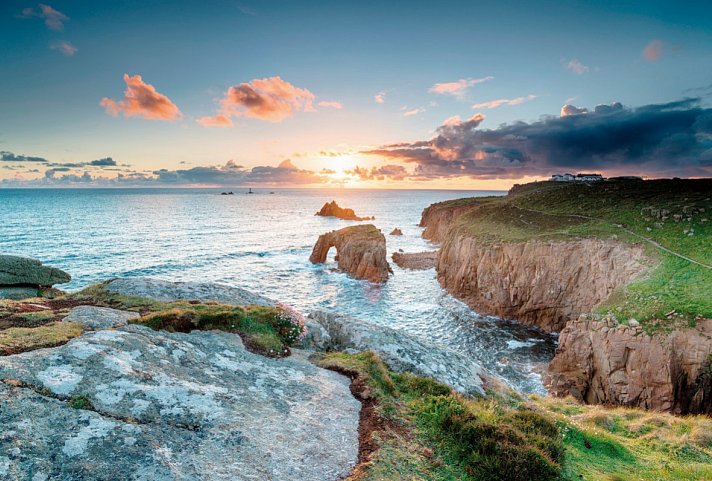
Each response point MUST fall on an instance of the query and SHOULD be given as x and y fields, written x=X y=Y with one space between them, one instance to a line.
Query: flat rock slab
x=100 y=317
x=16 y=270
x=167 y=406
x=418 y=261
x=18 y=292
x=400 y=350
x=166 y=291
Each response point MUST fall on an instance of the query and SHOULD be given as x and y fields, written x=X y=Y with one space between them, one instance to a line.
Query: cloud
x=654 y=50
x=142 y=100
x=105 y=162
x=332 y=104
x=576 y=67
x=663 y=140
x=6 y=156
x=493 y=104
x=380 y=98
x=384 y=172
x=458 y=88
x=270 y=99
x=412 y=112
x=64 y=47
x=53 y=19
x=569 y=109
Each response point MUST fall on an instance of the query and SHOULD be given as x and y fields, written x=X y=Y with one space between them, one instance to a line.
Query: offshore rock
x=415 y=260
x=165 y=291
x=332 y=209
x=361 y=252
x=396 y=231
x=160 y=406
x=600 y=362
x=400 y=351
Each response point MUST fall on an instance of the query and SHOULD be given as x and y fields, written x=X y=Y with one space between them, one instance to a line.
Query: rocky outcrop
x=396 y=231
x=361 y=252
x=543 y=283
x=401 y=351
x=415 y=260
x=166 y=291
x=92 y=317
x=332 y=209
x=599 y=361
x=22 y=277
x=137 y=404
x=438 y=218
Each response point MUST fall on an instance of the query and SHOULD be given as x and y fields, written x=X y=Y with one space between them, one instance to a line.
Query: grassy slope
x=429 y=433
x=549 y=210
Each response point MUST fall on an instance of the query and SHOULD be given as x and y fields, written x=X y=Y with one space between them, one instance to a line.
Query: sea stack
x=332 y=209
x=361 y=252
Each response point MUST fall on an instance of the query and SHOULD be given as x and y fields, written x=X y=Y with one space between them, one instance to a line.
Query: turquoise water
x=262 y=242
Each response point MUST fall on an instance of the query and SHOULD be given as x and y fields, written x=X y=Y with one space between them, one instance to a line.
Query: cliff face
x=361 y=252
x=544 y=283
x=603 y=363
x=438 y=218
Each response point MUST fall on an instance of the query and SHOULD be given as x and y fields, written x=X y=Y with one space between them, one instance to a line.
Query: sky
x=399 y=94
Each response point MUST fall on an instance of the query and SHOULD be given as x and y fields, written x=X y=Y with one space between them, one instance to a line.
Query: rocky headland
x=360 y=252
x=634 y=253
x=332 y=209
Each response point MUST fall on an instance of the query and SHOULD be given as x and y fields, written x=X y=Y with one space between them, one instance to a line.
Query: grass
x=424 y=431
x=624 y=444
x=21 y=339
x=674 y=292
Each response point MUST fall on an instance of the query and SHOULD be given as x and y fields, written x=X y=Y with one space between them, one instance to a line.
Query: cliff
x=543 y=283
x=360 y=252
x=638 y=252
x=602 y=362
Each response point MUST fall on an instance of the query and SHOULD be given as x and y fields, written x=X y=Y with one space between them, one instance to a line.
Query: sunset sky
x=413 y=94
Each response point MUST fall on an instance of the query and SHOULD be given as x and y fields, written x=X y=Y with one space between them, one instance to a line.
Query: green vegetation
x=20 y=339
x=604 y=443
x=418 y=429
x=676 y=214
x=79 y=402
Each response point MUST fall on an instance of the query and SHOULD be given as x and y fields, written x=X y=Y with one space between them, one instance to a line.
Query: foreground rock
x=361 y=252
x=161 y=406
x=605 y=363
x=332 y=209
x=23 y=277
x=93 y=317
x=401 y=351
x=415 y=260
x=166 y=291
x=543 y=283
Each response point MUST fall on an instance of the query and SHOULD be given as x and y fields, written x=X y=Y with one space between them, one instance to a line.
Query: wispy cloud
x=64 y=47
x=380 y=98
x=493 y=104
x=576 y=67
x=142 y=100
x=654 y=50
x=330 y=104
x=54 y=19
x=458 y=88
x=412 y=112
x=270 y=99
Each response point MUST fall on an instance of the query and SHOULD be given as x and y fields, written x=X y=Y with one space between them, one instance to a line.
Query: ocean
x=262 y=242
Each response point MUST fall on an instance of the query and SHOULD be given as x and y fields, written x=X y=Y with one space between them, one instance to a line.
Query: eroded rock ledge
x=361 y=252
x=601 y=362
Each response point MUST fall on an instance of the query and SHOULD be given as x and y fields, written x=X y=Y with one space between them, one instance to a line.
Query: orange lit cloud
x=270 y=99
x=654 y=50
x=142 y=100
x=457 y=88
x=331 y=104
x=380 y=98
x=493 y=104
x=412 y=112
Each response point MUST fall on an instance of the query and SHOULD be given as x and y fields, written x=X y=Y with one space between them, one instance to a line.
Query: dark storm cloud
x=384 y=172
x=663 y=139
x=233 y=174
x=105 y=162
x=10 y=157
